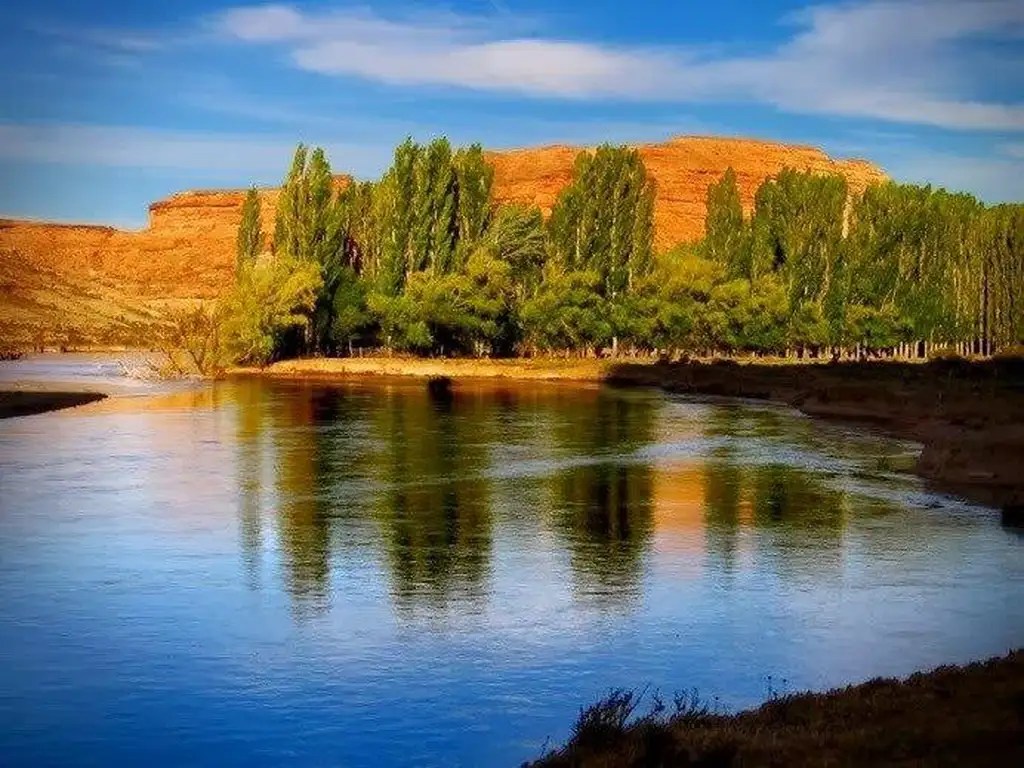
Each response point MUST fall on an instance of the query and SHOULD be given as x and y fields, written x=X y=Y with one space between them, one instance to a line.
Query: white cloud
x=131 y=147
x=1013 y=150
x=912 y=61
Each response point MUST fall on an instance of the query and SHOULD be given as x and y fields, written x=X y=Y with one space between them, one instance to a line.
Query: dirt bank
x=549 y=369
x=967 y=716
x=22 y=403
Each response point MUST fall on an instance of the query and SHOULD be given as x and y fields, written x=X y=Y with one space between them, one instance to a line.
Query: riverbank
x=968 y=416
x=25 y=403
x=968 y=716
x=522 y=369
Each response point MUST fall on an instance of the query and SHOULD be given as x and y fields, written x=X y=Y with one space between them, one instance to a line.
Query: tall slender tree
x=250 y=232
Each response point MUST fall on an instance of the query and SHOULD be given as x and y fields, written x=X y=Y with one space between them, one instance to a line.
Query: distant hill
x=99 y=284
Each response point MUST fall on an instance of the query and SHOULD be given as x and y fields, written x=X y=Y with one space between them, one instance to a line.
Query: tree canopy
x=425 y=261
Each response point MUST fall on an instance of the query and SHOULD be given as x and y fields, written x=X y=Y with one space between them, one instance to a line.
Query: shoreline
x=968 y=416
x=21 y=402
x=513 y=369
x=953 y=715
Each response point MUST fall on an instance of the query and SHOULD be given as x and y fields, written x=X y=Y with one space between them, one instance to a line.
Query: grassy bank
x=967 y=716
x=22 y=403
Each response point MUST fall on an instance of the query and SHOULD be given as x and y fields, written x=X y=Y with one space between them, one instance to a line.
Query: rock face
x=187 y=250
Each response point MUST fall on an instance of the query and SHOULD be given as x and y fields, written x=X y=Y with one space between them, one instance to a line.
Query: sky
x=106 y=105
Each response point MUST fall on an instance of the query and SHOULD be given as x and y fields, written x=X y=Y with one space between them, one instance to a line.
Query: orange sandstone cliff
x=100 y=284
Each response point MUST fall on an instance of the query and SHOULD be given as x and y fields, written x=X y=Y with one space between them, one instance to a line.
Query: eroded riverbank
x=968 y=416
x=24 y=403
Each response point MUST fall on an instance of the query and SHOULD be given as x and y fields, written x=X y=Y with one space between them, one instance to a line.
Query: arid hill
x=187 y=250
x=682 y=168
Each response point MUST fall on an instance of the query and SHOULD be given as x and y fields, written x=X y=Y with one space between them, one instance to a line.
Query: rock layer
x=187 y=249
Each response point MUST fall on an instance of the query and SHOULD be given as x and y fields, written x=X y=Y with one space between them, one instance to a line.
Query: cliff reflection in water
x=426 y=489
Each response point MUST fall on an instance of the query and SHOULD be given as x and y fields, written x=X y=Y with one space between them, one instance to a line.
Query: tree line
x=424 y=261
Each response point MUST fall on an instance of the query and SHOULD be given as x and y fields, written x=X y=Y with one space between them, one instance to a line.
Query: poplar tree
x=474 y=179
x=603 y=220
x=726 y=237
x=250 y=232
x=394 y=212
x=443 y=214
x=290 y=206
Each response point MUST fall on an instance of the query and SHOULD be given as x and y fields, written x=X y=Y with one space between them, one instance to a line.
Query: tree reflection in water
x=422 y=479
x=603 y=502
x=434 y=508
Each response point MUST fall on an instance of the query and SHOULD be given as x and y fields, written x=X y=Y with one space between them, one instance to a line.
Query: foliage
x=250 y=231
x=191 y=342
x=350 y=316
x=270 y=298
x=727 y=239
x=451 y=313
x=604 y=220
x=568 y=312
x=425 y=261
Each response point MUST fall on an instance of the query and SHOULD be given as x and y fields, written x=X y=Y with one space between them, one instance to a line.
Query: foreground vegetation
x=969 y=716
x=424 y=262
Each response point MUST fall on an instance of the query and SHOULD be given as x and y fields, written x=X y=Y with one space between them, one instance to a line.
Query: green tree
x=269 y=299
x=727 y=237
x=475 y=178
x=603 y=220
x=394 y=209
x=250 y=233
x=568 y=312
x=290 y=206
x=350 y=317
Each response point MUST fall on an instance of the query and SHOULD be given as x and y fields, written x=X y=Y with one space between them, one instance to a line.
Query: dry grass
x=966 y=716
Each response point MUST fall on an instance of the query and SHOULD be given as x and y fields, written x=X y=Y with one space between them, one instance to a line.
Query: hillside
x=96 y=282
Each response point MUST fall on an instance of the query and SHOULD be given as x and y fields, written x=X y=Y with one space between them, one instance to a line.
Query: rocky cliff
x=187 y=250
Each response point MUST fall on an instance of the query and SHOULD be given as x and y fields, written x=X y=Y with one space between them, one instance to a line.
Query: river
x=263 y=572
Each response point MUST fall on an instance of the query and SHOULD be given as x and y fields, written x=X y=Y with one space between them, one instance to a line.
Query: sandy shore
x=547 y=369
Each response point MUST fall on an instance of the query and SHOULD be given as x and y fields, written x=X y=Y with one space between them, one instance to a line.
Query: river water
x=257 y=573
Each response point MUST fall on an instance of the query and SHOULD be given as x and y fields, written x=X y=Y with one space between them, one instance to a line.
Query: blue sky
x=105 y=106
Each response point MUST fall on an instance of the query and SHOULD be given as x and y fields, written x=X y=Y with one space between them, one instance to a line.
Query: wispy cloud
x=993 y=179
x=208 y=152
x=114 y=40
x=908 y=61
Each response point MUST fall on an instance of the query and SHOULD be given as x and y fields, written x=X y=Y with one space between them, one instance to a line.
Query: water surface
x=358 y=574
